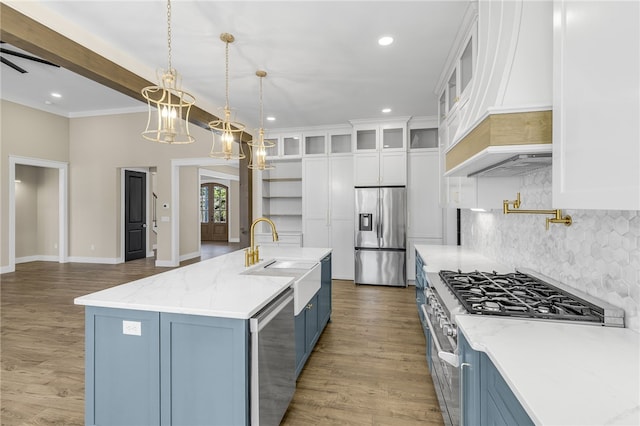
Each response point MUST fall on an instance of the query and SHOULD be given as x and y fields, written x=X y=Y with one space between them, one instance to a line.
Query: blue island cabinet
x=312 y=320
x=486 y=399
x=150 y=368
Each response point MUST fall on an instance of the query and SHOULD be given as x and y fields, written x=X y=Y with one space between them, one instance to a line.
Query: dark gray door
x=135 y=215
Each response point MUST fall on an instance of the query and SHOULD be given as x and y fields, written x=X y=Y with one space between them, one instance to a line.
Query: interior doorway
x=62 y=234
x=214 y=212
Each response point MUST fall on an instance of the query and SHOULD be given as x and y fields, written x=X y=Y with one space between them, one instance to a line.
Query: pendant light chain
x=261 y=109
x=226 y=76
x=169 y=34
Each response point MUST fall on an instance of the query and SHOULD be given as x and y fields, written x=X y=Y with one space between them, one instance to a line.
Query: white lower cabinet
x=327 y=193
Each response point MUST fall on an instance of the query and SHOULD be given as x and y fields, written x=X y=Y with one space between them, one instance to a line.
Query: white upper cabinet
x=315 y=143
x=596 y=105
x=288 y=146
x=380 y=156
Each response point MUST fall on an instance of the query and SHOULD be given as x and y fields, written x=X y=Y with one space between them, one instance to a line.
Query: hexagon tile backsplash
x=599 y=254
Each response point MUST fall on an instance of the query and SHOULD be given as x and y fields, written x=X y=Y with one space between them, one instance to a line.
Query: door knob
x=144 y=225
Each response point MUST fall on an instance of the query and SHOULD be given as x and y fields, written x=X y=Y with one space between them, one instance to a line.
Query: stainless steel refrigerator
x=380 y=235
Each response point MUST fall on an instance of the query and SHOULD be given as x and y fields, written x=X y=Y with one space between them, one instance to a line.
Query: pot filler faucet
x=252 y=254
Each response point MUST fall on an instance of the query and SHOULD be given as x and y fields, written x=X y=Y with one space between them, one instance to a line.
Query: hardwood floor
x=369 y=366
x=367 y=369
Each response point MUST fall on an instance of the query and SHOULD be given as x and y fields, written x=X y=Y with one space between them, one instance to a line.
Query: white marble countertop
x=213 y=287
x=562 y=374
x=452 y=258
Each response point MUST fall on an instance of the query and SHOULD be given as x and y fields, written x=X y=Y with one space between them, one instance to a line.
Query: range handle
x=448 y=357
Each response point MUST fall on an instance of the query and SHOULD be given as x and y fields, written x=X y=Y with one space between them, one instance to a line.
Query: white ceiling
x=322 y=58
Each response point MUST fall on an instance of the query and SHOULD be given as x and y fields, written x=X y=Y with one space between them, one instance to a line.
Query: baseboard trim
x=234 y=240
x=102 y=260
x=189 y=256
x=37 y=258
x=7 y=269
x=166 y=264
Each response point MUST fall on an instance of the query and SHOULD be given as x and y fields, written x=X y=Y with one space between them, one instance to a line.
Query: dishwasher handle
x=263 y=318
x=448 y=357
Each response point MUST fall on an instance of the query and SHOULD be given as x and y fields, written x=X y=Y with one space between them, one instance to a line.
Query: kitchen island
x=560 y=373
x=174 y=348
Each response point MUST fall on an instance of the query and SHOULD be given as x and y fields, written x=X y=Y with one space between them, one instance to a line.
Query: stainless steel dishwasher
x=273 y=361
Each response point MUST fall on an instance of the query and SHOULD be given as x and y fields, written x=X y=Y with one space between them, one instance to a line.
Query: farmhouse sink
x=307 y=276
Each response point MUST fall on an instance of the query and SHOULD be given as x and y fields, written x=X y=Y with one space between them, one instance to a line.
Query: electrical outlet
x=132 y=328
x=55 y=245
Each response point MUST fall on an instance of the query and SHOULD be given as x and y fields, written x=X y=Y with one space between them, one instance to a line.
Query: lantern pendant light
x=258 y=159
x=169 y=106
x=229 y=132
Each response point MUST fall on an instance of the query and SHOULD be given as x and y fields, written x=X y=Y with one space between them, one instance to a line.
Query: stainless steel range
x=521 y=294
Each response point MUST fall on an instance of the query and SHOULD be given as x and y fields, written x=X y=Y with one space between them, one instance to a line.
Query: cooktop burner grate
x=517 y=294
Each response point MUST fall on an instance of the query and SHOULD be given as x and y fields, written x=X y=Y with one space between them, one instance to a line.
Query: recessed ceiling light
x=48 y=102
x=386 y=110
x=56 y=95
x=385 y=41
x=270 y=118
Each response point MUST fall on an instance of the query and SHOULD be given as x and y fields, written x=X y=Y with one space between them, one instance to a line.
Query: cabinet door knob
x=309 y=306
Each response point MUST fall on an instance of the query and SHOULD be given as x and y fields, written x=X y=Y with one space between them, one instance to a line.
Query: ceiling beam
x=27 y=34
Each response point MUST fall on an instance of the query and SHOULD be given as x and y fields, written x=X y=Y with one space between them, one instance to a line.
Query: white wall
x=599 y=254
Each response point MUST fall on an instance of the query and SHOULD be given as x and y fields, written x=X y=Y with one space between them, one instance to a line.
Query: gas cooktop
x=518 y=295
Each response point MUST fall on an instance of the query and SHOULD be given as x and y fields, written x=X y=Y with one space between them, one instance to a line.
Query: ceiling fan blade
x=29 y=57
x=12 y=65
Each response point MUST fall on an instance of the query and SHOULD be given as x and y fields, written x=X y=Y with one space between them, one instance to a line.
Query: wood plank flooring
x=367 y=369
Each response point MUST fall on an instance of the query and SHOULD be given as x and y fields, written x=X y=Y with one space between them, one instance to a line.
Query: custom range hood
x=502 y=144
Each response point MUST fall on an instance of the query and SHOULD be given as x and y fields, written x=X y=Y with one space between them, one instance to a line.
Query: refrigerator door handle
x=380 y=221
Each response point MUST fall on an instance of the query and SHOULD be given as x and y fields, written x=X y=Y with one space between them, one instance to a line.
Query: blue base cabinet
x=204 y=370
x=122 y=371
x=486 y=399
x=314 y=318
x=500 y=404
x=151 y=368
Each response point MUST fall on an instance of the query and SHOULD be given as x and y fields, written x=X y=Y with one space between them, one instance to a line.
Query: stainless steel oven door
x=444 y=369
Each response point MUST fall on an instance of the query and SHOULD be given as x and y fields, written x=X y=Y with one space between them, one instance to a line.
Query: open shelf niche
x=282 y=197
